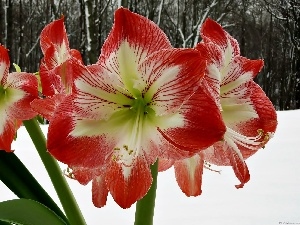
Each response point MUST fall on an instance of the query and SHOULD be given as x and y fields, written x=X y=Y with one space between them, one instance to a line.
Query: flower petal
x=188 y=174
x=211 y=31
x=22 y=89
x=96 y=86
x=76 y=55
x=99 y=191
x=8 y=128
x=87 y=152
x=127 y=185
x=203 y=124
x=54 y=34
x=60 y=78
x=127 y=27
x=237 y=162
x=216 y=154
x=82 y=174
x=227 y=153
x=47 y=106
x=240 y=71
x=264 y=125
x=4 y=64
x=264 y=108
x=164 y=164
x=50 y=81
x=171 y=77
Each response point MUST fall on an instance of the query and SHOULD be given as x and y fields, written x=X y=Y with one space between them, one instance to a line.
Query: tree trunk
x=21 y=35
x=91 y=31
x=9 y=27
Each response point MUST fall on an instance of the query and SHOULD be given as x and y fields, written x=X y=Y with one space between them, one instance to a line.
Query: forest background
x=267 y=29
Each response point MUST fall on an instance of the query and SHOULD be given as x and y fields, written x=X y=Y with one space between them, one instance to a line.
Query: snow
x=271 y=197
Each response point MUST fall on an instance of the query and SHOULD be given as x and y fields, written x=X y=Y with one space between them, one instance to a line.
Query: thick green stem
x=59 y=182
x=145 y=207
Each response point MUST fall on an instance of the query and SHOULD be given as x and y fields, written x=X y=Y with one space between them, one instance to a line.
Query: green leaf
x=5 y=223
x=28 y=212
x=19 y=180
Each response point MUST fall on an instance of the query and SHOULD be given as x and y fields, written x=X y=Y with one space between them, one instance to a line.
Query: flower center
x=130 y=146
x=2 y=92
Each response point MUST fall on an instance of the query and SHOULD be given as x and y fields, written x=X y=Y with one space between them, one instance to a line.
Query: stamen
x=248 y=142
x=69 y=173
x=207 y=165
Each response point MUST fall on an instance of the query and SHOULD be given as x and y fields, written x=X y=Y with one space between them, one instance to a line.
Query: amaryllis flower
x=17 y=90
x=56 y=71
x=140 y=101
x=249 y=115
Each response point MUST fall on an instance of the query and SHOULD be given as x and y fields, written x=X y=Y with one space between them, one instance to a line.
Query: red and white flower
x=17 y=90
x=248 y=114
x=140 y=101
x=56 y=69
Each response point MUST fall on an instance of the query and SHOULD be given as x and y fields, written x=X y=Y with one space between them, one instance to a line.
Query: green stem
x=58 y=180
x=145 y=207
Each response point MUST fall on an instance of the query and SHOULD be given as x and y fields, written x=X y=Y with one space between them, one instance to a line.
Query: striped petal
x=237 y=162
x=127 y=188
x=164 y=164
x=127 y=27
x=188 y=174
x=17 y=90
x=170 y=78
x=4 y=64
x=203 y=124
x=227 y=153
x=8 y=128
x=99 y=191
x=56 y=67
x=83 y=151
x=54 y=34
x=21 y=90
x=59 y=79
x=47 y=106
x=213 y=32
x=263 y=126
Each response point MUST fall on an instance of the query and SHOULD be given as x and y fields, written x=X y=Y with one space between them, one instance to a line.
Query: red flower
x=56 y=69
x=140 y=101
x=249 y=115
x=17 y=90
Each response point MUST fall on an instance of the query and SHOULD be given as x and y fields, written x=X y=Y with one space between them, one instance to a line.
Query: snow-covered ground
x=271 y=197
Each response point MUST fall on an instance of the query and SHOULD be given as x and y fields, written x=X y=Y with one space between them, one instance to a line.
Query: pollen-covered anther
x=260 y=132
x=69 y=173
x=130 y=152
x=114 y=157
x=120 y=153
x=266 y=136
